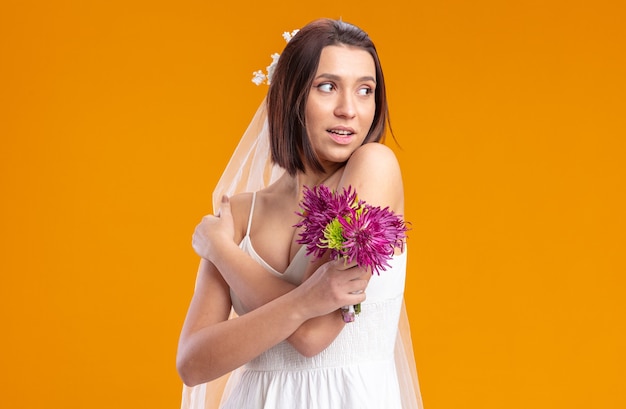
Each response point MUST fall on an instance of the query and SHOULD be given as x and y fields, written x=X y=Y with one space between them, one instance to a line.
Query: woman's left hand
x=213 y=230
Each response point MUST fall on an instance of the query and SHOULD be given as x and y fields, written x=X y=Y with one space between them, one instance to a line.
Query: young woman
x=289 y=345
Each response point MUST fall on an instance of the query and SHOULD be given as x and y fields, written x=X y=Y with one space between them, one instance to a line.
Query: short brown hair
x=291 y=83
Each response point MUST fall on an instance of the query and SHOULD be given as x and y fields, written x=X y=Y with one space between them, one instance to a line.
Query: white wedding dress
x=368 y=366
x=356 y=371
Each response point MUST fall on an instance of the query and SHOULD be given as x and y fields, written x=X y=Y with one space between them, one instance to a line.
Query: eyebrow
x=338 y=78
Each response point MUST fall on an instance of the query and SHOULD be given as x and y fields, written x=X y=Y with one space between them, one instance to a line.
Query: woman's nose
x=346 y=107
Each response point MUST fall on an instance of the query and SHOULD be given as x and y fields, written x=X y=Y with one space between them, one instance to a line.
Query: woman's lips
x=341 y=135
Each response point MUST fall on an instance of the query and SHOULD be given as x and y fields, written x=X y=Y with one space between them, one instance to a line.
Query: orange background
x=117 y=117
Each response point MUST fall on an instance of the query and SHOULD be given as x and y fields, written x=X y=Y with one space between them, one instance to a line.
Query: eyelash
x=325 y=84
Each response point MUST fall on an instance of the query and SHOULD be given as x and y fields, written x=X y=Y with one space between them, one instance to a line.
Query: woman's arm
x=255 y=286
x=210 y=345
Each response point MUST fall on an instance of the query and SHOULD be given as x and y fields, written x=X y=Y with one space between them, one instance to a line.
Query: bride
x=288 y=344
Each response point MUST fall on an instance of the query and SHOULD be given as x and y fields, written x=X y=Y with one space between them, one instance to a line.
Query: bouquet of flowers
x=350 y=229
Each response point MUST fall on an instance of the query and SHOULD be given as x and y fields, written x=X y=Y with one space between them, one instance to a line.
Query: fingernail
x=224 y=199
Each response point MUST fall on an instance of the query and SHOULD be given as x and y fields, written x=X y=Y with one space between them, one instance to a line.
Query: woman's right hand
x=213 y=230
x=333 y=285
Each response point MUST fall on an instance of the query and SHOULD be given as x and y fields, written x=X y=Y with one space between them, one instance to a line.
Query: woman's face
x=341 y=104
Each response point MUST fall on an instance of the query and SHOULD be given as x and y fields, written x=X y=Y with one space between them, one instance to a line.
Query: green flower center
x=333 y=235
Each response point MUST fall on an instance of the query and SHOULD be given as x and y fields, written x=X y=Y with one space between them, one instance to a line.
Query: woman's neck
x=310 y=179
x=293 y=186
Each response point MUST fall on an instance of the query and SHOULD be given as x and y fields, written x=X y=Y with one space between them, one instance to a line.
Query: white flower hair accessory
x=259 y=77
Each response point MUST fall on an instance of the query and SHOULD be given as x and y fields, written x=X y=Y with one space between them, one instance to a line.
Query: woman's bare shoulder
x=374 y=171
x=374 y=156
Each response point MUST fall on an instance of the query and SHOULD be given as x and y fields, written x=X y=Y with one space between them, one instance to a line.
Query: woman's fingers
x=213 y=229
x=341 y=264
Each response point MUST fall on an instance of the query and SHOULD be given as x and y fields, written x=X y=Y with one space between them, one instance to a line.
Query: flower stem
x=348 y=313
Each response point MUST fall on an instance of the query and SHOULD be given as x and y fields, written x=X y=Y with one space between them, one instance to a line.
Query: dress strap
x=251 y=211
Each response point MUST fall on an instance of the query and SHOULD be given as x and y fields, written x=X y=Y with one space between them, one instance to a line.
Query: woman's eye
x=326 y=87
x=365 y=91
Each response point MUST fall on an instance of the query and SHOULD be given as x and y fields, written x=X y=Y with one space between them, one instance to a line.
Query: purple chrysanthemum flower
x=372 y=236
x=320 y=206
